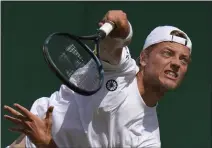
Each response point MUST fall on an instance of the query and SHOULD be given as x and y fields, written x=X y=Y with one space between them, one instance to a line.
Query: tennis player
x=123 y=112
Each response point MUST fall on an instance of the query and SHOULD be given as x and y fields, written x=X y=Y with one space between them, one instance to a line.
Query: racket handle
x=105 y=29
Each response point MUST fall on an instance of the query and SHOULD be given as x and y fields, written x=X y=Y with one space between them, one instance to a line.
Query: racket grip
x=106 y=28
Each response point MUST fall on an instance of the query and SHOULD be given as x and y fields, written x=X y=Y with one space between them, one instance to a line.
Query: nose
x=175 y=65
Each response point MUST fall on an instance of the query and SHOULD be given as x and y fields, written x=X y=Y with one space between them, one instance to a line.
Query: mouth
x=171 y=74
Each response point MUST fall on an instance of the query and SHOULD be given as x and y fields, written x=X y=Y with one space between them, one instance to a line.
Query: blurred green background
x=184 y=114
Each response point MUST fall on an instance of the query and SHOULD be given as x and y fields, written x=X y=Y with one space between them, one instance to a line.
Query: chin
x=169 y=85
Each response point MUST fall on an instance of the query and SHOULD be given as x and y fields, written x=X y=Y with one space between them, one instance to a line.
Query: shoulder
x=58 y=98
x=39 y=107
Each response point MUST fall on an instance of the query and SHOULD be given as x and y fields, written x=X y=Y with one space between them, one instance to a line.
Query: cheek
x=156 y=66
x=183 y=71
x=158 y=63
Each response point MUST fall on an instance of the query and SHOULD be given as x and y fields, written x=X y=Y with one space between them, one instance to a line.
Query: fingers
x=19 y=130
x=101 y=23
x=16 y=113
x=121 y=22
x=116 y=16
x=18 y=121
x=12 y=111
x=25 y=111
x=12 y=119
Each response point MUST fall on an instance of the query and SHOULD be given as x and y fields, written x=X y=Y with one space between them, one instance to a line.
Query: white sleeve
x=125 y=62
x=38 y=108
x=109 y=47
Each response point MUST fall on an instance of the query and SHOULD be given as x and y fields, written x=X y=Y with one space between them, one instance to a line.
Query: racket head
x=85 y=72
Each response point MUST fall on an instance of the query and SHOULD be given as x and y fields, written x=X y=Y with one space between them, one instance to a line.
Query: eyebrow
x=168 y=48
x=184 y=55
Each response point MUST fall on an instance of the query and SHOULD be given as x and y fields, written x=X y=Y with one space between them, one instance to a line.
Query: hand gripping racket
x=75 y=59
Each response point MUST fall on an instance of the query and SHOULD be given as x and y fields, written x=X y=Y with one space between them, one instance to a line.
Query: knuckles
x=120 y=19
x=116 y=16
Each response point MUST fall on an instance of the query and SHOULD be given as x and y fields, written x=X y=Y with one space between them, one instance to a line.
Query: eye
x=167 y=53
x=184 y=61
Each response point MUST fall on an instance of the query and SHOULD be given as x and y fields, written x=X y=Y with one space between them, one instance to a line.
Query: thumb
x=48 y=119
x=49 y=112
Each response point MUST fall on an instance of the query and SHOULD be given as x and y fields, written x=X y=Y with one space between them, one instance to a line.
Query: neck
x=151 y=94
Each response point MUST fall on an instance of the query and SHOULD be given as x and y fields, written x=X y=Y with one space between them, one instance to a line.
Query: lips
x=171 y=74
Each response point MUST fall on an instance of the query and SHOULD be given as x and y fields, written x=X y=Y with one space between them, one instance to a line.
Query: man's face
x=166 y=65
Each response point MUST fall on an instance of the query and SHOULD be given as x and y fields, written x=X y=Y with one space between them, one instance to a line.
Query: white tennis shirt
x=116 y=116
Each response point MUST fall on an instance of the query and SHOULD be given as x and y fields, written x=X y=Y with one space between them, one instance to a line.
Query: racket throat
x=97 y=49
x=101 y=35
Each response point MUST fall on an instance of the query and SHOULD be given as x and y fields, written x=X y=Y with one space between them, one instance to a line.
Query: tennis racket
x=75 y=59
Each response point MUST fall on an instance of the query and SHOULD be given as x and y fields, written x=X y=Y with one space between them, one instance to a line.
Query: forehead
x=176 y=47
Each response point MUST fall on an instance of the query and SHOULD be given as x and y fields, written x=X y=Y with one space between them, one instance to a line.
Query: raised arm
x=111 y=47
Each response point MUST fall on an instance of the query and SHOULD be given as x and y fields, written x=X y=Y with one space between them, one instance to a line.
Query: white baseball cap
x=163 y=33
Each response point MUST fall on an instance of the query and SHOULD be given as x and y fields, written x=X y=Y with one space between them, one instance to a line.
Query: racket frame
x=78 y=39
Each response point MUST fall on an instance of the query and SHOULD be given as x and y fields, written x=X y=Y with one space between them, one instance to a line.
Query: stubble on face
x=166 y=65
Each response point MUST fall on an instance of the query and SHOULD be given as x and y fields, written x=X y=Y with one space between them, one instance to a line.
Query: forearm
x=111 y=48
x=51 y=144
x=19 y=142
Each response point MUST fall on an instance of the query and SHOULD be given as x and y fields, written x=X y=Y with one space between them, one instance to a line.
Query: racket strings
x=72 y=49
x=74 y=62
x=86 y=77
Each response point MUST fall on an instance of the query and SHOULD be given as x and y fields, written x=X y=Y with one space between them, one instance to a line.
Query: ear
x=143 y=58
